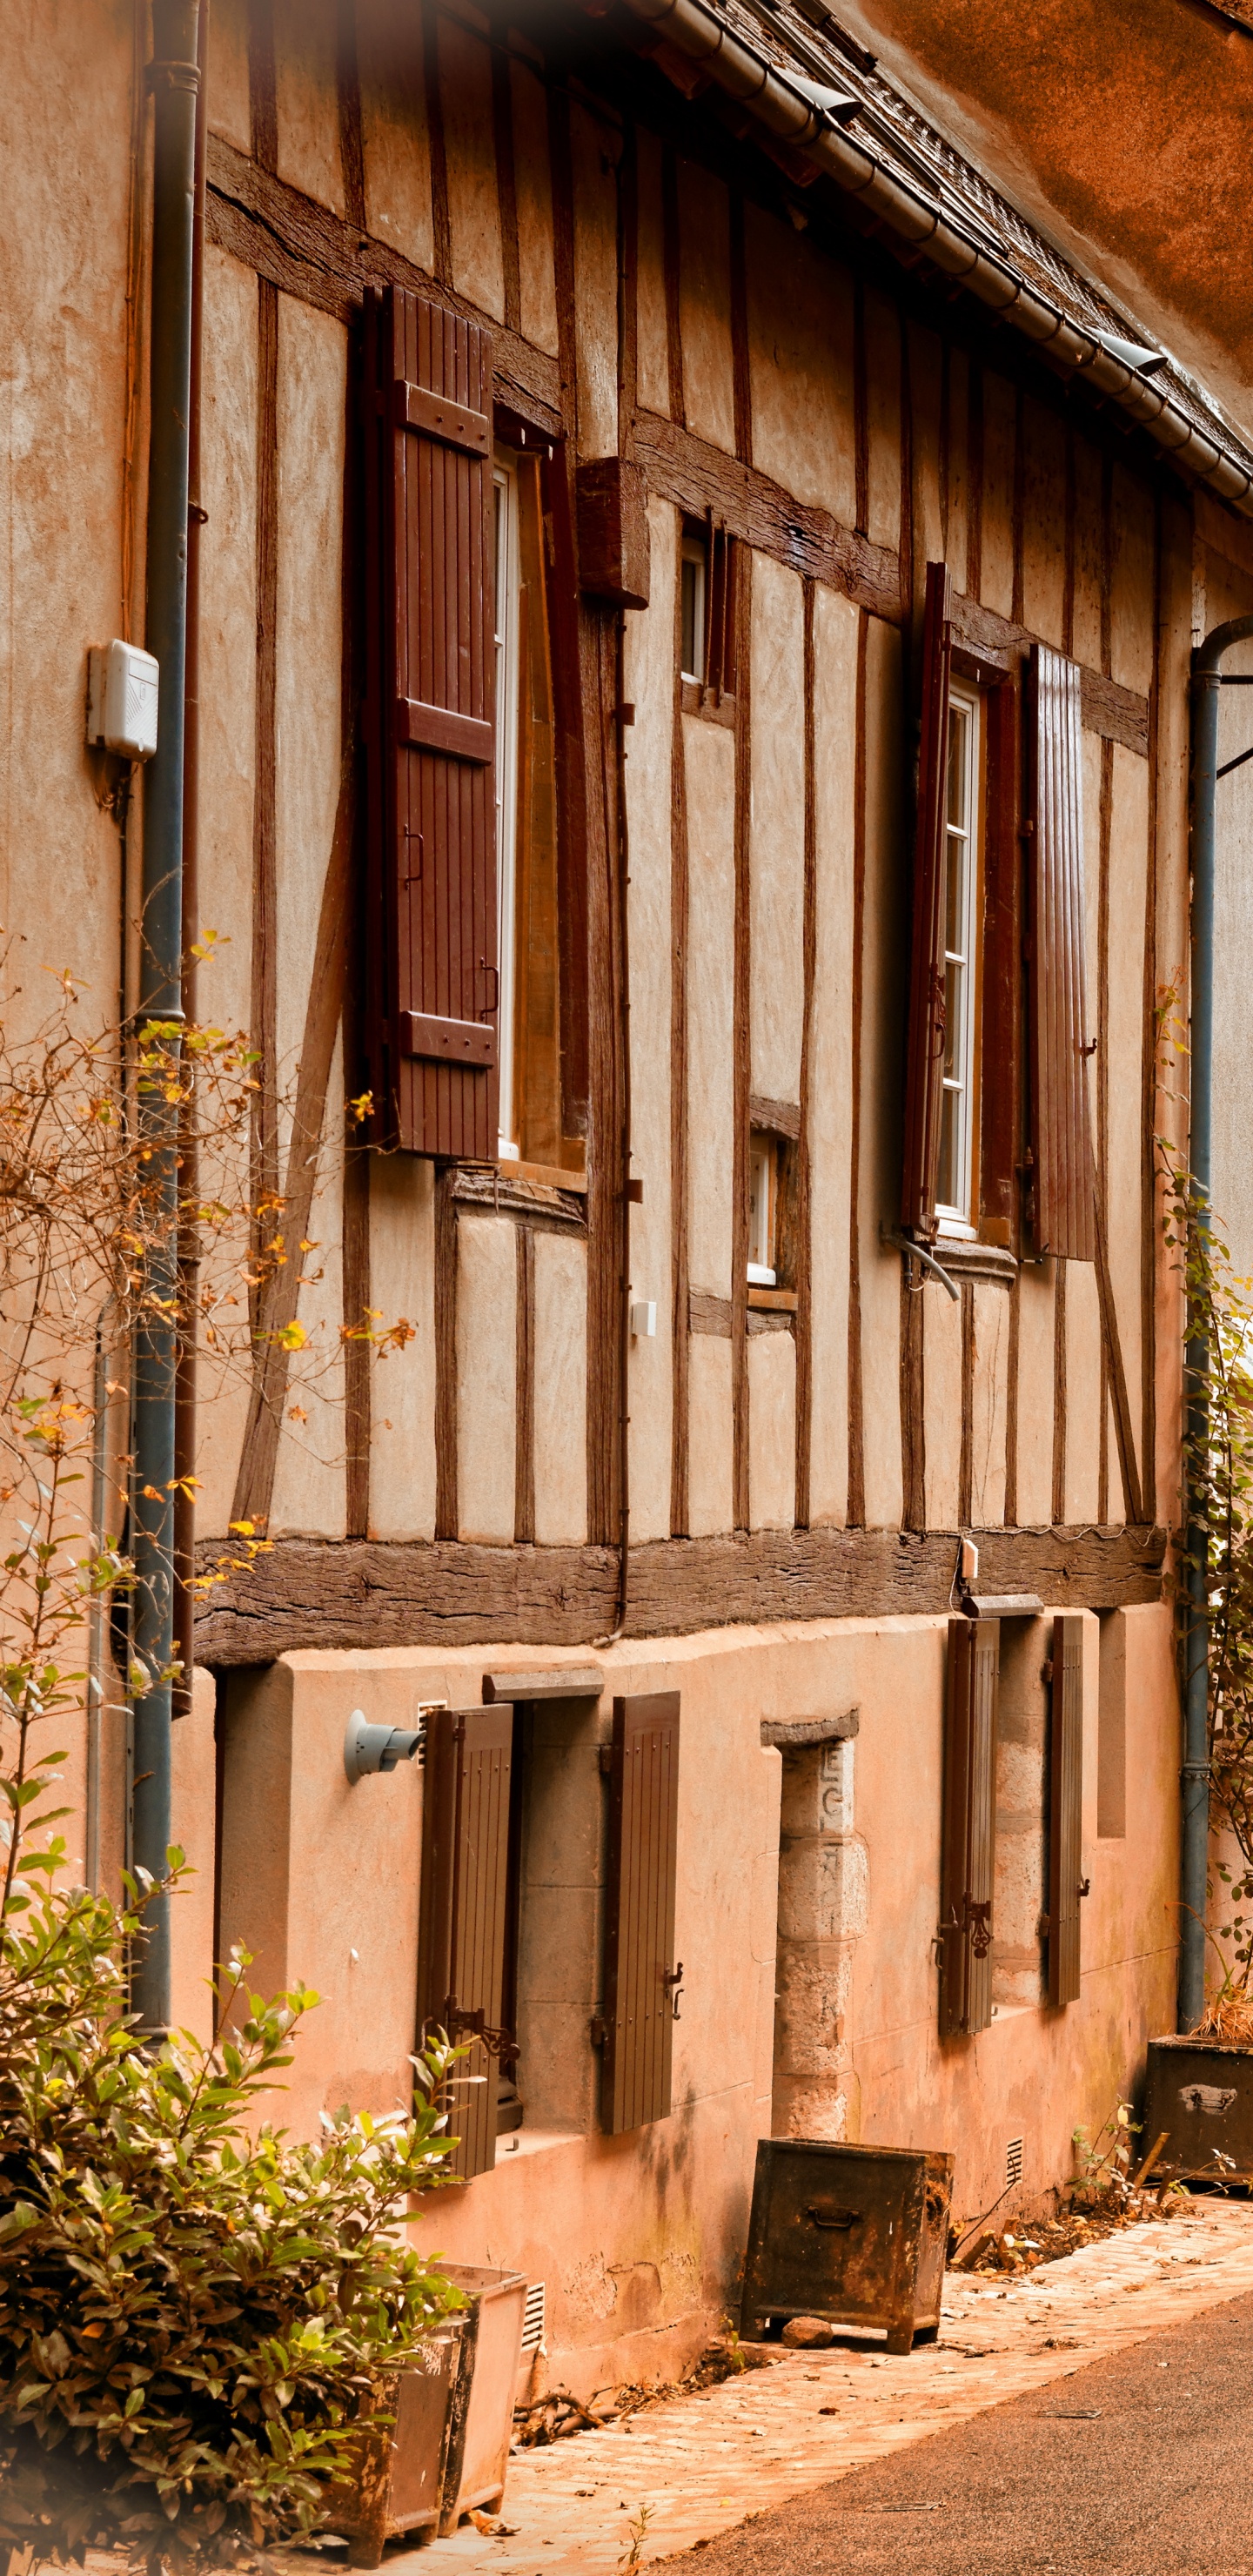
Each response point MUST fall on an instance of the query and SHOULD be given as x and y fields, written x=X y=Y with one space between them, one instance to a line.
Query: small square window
x=763 y=1212
x=695 y=581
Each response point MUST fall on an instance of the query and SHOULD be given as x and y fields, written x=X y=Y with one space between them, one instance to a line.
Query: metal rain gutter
x=794 y=119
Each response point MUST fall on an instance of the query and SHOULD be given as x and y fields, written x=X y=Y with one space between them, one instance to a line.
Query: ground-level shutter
x=1066 y=1810
x=464 y=1911
x=924 y=1070
x=640 y=1967
x=1064 y=1216
x=432 y=973
x=969 y=1850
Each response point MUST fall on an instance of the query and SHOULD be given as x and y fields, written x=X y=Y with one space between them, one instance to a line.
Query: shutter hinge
x=1046 y=1670
x=1085 y=1887
x=598 y=2029
x=604 y=1755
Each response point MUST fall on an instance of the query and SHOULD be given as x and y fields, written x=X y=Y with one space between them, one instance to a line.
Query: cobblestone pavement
x=705 y=2464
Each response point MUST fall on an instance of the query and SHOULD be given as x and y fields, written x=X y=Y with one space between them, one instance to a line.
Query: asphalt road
x=1141 y=2465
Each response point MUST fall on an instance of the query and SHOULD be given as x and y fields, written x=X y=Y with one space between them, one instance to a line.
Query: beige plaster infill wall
x=639 y=2238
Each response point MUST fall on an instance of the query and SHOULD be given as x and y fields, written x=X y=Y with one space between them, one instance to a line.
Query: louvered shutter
x=924 y=1070
x=1066 y=1810
x=1064 y=1217
x=433 y=989
x=464 y=1911
x=969 y=1850
x=640 y=1968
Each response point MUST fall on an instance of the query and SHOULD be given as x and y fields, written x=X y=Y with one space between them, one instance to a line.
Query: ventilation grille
x=533 y=2317
x=1013 y=2163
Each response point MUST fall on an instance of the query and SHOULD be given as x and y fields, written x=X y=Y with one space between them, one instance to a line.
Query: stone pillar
x=823 y=1895
x=1020 y=1890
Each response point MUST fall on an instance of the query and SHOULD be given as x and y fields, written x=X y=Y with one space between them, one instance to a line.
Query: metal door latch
x=672 y=1980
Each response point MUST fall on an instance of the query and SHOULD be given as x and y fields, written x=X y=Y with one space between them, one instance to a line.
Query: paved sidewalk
x=706 y=2463
x=1136 y=2466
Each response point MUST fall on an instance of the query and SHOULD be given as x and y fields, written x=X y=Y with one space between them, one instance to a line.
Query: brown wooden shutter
x=924 y=1070
x=969 y=1852
x=640 y=1967
x=433 y=973
x=1066 y=1810
x=464 y=1909
x=1064 y=1219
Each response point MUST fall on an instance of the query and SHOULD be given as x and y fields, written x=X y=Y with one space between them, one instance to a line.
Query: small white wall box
x=122 y=682
x=644 y=1318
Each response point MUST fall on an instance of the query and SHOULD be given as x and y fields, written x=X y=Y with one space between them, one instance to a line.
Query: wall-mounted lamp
x=380 y=1748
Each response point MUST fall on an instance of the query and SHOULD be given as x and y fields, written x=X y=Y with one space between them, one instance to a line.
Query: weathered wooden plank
x=1106 y=707
x=698 y=477
x=312 y=253
x=345 y=1595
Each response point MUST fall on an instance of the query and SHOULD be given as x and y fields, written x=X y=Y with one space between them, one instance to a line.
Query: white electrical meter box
x=122 y=699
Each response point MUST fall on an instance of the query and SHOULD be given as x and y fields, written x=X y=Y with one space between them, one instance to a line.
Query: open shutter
x=1066 y=1810
x=1064 y=1219
x=969 y=1854
x=434 y=983
x=641 y=1974
x=464 y=1912
x=924 y=1072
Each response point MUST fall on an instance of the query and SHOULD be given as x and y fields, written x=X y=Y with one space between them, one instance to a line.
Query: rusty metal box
x=1201 y=2094
x=856 y=2235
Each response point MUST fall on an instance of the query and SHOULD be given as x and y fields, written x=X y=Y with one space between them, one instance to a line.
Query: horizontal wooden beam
x=698 y=477
x=312 y=253
x=354 y=1594
x=554 y=1681
x=1108 y=708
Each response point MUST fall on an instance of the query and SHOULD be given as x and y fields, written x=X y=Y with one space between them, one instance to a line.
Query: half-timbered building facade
x=695 y=602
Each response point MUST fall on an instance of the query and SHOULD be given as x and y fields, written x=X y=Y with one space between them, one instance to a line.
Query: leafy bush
x=189 y=2313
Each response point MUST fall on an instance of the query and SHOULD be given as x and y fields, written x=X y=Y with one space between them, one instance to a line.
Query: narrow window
x=695 y=576
x=954 y=1197
x=505 y=513
x=763 y=1198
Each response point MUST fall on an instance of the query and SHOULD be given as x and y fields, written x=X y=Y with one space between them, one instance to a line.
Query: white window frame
x=696 y=553
x=954 y=1217
x=763 y=1182
x=507 y=592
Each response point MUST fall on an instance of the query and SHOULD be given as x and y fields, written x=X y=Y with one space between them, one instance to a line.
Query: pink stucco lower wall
x=639 y=2239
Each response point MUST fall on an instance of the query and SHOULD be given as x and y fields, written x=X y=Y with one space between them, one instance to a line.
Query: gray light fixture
x=380 y=1748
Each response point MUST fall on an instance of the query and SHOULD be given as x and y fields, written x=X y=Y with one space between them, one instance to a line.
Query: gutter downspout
x=1194 y=1845
x=188 y=1240
x=174 y=79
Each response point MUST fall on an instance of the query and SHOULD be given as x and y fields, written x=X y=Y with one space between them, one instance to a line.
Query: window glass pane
x=954 y=1019
x=950 y=1176
x=954 y=898
x=957 y=722
x=693 y=606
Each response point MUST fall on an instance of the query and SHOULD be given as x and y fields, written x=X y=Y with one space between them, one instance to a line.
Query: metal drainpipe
x=189 y=1241
x=174 y=79
x=1194 y=1853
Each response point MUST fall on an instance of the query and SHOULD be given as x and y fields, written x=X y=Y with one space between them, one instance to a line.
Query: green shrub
x=189 y=2313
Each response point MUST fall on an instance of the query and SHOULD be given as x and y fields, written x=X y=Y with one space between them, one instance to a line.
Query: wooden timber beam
x=349 y=1595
